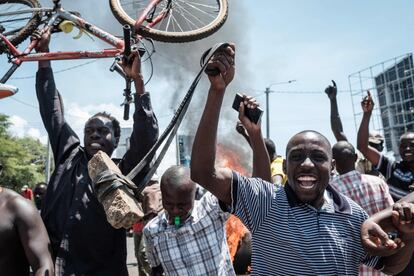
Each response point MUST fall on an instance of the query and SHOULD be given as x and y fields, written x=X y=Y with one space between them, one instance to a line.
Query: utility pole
x=267 y=92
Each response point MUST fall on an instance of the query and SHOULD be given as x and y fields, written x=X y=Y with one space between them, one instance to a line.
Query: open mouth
x=408 y=154
x=306 y=181
x=95 y=146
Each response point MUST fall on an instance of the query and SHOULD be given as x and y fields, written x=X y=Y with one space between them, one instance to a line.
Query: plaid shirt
x=198 y=247
x=368 y=191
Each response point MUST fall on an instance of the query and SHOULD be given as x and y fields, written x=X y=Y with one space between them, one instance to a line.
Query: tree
x=23 y=159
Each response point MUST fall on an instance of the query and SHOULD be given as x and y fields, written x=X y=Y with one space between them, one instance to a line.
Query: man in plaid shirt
x=368 y=191
x=188 y=238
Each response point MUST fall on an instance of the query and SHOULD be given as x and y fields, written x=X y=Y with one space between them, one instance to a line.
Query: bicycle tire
x=170 y=36
x=31 y=24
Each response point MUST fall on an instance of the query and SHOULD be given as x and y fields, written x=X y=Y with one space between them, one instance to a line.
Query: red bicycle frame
x=18 y=57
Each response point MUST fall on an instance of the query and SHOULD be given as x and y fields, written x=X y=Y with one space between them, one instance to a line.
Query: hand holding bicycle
x=43 y=40
x=132 y=66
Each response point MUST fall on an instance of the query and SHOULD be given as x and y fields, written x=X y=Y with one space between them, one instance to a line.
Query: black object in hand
x=254 y=114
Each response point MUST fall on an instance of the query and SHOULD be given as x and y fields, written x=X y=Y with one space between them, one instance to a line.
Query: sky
x=310 y=41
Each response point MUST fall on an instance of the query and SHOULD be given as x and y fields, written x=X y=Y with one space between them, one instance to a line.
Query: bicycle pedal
x=7 y=90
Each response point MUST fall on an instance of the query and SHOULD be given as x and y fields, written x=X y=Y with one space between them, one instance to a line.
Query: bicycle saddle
x=7 y=90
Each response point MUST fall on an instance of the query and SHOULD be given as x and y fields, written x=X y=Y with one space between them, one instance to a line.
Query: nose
x=95 y=135
x=307 y=162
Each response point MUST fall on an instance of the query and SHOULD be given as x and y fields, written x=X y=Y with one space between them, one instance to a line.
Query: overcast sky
x=309 y=41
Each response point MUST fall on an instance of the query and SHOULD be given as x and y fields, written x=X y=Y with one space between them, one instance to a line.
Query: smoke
x=178 y=64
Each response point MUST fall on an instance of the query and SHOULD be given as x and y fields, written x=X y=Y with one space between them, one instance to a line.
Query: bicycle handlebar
x=127 y=53
x=127 y=41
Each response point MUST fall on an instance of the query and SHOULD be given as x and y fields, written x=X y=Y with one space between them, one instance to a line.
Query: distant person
x=276 y=161
x=24 y=243
x=375 y=139
x=26 y=192
x=368 y=191
x=303 y=228
x=188 y=237
x=39 y=193
x=83 y=242
x=398 y=174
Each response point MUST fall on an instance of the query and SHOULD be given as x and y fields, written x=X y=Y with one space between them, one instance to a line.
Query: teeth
x=95 y=145
x=306 y=178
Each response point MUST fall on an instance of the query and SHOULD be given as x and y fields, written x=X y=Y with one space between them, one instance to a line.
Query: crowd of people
x=323 y=210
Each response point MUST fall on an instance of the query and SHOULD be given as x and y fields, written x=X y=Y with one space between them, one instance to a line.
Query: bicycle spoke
x=198 y=9
x=187 y=20
x=192 y=15
x=178 y=24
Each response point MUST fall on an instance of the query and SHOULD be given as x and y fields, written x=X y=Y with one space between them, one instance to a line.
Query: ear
x=284 y=166
x=333 y=164
x=116 y=142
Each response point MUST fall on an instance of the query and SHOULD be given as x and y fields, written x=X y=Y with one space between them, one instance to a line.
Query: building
x=123 y=142
x=391 y=85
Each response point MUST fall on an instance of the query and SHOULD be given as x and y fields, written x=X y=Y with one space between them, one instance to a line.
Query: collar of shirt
x=334 y=202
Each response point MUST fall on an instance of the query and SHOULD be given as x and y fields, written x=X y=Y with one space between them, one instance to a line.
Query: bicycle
x=162 y=20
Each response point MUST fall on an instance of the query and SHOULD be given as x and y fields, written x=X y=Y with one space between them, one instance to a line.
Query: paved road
x=131 y=260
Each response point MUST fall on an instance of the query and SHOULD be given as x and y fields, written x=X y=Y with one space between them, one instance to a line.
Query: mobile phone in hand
x=254 y=114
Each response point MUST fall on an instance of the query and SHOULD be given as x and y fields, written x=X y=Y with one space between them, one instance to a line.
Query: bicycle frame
x=18 y=57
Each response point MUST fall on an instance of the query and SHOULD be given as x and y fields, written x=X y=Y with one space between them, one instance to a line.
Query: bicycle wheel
x=183 y=20
x=17 y=20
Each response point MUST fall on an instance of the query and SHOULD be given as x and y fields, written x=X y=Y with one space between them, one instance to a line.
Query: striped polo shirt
x=293 y=238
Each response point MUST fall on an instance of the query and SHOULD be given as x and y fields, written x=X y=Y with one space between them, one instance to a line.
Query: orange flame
x=235 y=229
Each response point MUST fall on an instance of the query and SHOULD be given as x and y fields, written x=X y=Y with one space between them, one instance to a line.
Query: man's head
x=308 y=166
x=345 y=157
x=376 y=140
x=178 y=193
x=271 y=148
x=39 y=193
x=407 y=147
x=102 y=132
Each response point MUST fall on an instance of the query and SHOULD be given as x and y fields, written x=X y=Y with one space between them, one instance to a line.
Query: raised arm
x=145 y=127
x=369 y=152
x=261 y=159
x=336 y=123
x=203 y=170
x=61 y=136
x=33 y=237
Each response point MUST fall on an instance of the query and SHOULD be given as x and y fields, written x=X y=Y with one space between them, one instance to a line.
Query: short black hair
x=270 y=147
x=115 y=122
x=289 y=144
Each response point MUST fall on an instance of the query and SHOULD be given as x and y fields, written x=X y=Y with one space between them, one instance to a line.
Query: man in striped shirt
x=304 y=228
x=368 y=191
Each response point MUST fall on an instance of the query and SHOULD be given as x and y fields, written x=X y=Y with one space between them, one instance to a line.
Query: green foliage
x=23 y=159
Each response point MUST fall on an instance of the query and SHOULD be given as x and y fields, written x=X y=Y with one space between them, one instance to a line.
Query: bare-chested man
x=23 y=238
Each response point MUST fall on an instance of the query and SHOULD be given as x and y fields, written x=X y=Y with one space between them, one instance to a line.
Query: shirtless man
x=23 y=239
